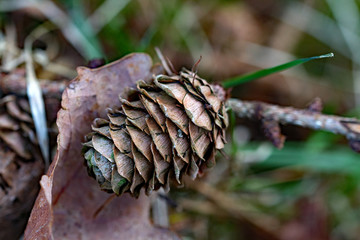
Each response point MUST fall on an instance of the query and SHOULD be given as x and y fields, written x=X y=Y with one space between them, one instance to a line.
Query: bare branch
x=349 y=127
x=15 y=82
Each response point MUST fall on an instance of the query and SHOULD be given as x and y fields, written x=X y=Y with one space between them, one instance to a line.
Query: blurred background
x=308 y=190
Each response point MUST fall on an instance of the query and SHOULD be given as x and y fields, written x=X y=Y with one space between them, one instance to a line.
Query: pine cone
x=21 y=166
x=167 y=127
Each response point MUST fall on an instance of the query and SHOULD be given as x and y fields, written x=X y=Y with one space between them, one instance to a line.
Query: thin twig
x=349 y=127
x=205 y=207
x=163 y=61
x=15 y=83
x=234 y=207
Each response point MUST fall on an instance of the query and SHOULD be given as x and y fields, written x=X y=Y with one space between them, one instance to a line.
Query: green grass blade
x=90 y=44
x=232 y=82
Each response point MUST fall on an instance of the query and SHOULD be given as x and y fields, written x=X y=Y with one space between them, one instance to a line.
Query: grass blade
x=232 y=82
x=36 y=101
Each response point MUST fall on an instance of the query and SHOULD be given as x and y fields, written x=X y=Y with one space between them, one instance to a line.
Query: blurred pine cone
x=21 y=165
x=169 y=126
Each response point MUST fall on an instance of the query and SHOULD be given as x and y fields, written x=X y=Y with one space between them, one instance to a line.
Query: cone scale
x=21 y=165
x=166 y=127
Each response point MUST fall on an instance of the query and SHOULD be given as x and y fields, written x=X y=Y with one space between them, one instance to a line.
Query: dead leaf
x=78 y=209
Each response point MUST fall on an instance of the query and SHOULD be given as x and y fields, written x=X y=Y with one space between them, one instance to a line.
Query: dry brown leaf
x=70 y=205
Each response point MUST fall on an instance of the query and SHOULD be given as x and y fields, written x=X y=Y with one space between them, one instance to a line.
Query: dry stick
x=211 y=209
x=15 y=83
x=232 y=207
x=349 y=127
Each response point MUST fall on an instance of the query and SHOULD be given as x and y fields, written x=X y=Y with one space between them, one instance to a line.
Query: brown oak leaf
x=70 y=204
